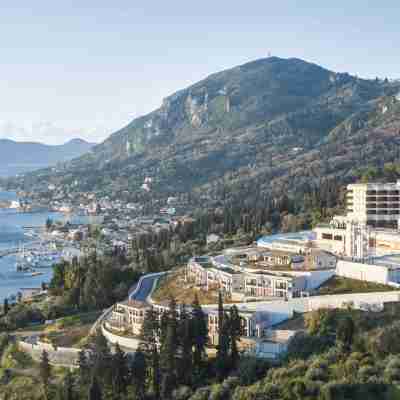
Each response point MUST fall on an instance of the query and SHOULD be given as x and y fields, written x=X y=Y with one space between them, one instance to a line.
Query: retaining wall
x=63 y=356
x=125 y=342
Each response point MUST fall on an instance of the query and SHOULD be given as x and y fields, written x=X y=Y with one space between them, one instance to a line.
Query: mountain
x=21 y=157
x=272 y=125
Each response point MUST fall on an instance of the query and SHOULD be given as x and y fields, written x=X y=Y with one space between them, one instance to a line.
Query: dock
x=16 y=249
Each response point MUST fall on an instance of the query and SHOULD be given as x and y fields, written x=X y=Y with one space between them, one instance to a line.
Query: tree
x=6 y=306
x=222 y=360
x=49 y=224
x=95 y=392
x=45 y=373
x=235 y=330
x=150 y=332
x=185 y=333
x=84 y=368
x=119 y=371
x=148 y=345
x=138 y=370
x=199 y=333
x=68 y=387
x=345 y=332
x=168 y=352
x=101 y=358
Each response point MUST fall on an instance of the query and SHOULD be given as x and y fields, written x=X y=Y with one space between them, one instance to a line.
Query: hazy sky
x=85 y=68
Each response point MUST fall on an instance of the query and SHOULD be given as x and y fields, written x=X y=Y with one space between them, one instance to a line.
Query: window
x=327 y=236
x=338 y=237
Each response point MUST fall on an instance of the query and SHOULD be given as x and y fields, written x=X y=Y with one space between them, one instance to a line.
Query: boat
x=36 y=273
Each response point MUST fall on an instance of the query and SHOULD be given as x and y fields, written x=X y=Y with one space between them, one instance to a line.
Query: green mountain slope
x=273 y=122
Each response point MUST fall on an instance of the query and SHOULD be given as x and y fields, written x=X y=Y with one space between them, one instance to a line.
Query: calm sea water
x=11 y=235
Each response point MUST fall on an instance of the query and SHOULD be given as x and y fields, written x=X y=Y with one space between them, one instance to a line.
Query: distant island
x=21 y=157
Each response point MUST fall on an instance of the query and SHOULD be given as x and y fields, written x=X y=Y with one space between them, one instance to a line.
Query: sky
x=85 y=68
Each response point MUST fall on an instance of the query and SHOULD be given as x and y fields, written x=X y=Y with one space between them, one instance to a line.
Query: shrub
x=303 y=345
x=14 y=358
x=251 y=369
x=385 y=340
x=392 y=369
x=4 y=341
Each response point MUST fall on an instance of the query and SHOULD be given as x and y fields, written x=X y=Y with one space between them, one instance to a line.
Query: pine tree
x=139 y=368
x=119 y=372
x=95 y=392
x=45 y=373
x=199 y=333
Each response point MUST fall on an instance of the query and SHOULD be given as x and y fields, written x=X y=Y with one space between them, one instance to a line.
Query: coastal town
x=271 y=280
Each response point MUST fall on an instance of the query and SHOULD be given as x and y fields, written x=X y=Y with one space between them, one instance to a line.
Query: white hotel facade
x=371 y=226
x=367 y=238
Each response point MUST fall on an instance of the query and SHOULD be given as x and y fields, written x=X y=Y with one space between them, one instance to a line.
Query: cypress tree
x=150 y=332
x=84 y=368
x=185 y=333
x=222 y=360
x=235 y=330
x=139 y=368
x=199 y=332
x=6 y=306
x=155 y=372
x=101 y=358
x=149 y=346
x=168 y=353
x=95 y=392
x=45 y=373
x=68 y=387
x=119 y=372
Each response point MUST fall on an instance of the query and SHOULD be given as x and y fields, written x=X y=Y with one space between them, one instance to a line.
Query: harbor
x=23 y=243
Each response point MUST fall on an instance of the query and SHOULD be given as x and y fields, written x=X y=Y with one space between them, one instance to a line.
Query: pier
x=16 y=249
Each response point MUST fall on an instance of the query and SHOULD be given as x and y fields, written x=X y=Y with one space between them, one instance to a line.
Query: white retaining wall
x=128 y=343
x=63 y=356
x=363 y=272
x=280 y=310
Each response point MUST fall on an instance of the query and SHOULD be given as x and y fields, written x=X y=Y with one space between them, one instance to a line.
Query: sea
x=12 y=235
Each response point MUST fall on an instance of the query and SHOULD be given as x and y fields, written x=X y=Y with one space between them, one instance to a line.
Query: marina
x=17 y=231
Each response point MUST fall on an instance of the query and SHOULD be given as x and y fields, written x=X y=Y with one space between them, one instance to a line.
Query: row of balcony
x=383 y=206
x=383 y=192
x=394 y=199
x=391 y=212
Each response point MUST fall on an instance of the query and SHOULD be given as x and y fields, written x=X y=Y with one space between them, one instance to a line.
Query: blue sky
x=85 y=68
